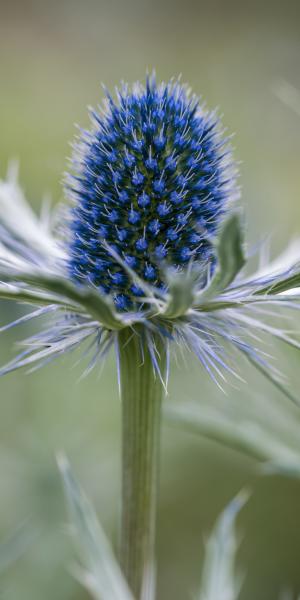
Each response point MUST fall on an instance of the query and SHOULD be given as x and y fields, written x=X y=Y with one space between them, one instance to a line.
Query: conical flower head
x=151 y=182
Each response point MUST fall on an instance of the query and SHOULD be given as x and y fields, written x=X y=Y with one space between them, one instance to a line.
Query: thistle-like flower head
x=152 y=242
x=151 y=182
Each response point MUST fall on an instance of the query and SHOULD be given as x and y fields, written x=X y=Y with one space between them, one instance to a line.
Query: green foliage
x=219 y=578
x=16 y=545
x=181 y=293
x=272 y=439
x=76 y=299
x=229 y=246
x=101 y=574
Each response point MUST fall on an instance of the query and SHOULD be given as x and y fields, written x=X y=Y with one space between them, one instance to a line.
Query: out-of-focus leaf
x=269 y=375
x=101 y=575
x=288 y=94
x=287 y=594
x=219 y=579
x=16 y=545
x=272 y=439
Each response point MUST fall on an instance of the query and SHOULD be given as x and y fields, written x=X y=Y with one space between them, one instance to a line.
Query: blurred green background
x=53 y=58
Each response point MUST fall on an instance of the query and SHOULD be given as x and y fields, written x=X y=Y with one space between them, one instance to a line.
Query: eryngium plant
x=148 y=255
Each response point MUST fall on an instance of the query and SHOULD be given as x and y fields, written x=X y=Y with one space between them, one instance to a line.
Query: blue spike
x=137 y=179
x=171 y=164
x=160 y=252
x=117 y=278
x=163 y=209
x=131 y=261
x=159 y=142
x=136 y=290
x=149 y=273
x=151 y=164
x=123 y=196
x=159 y=186
x=144 y=200
x=121 y=302
x=175 y=197
x=134 y=217
x=113 y=216
x=172 y=234
x=185 y=254
x=154 y=227
x=129 y=160
x=141 y=245
x=122 y=234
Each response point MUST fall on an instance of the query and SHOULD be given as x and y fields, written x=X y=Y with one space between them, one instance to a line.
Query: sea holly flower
x=207 y=305
x=148 y=254
x=150 y=184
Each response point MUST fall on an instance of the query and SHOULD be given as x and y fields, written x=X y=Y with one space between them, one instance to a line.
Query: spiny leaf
x=230 y=256
x=219 y=580
x=102 y=575
x=181 y=292
x=98 y=306
x=10 y=292
x=283 y=285
x=216 y=305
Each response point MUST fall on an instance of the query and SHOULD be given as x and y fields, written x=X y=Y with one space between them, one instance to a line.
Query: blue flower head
x=152 y=216
x=151 y=182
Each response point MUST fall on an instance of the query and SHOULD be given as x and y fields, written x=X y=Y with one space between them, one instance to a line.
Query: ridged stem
x=141 y=395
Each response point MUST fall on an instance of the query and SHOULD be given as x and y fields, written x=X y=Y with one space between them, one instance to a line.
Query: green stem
x=141 y=395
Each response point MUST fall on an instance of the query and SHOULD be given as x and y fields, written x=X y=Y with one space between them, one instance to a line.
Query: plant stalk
x=141 y=395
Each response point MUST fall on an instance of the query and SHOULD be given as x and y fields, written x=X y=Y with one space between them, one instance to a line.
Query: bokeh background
x=53 y=58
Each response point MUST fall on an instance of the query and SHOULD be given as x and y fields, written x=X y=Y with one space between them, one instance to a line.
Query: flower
x=152 y=242
x=151 y=181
